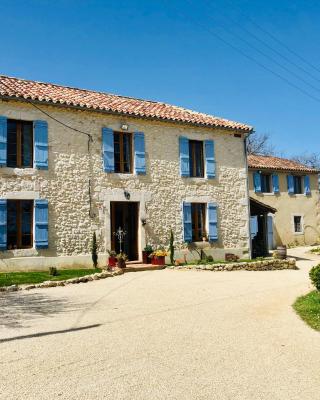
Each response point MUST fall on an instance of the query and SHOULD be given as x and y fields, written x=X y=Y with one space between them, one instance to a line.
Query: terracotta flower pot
x=112 y=262
x=158 y=260
x=145 y=257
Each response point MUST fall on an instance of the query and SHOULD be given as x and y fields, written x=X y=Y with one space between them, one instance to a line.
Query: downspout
x=248 y=193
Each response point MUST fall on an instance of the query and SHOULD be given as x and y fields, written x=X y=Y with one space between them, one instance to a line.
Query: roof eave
x=246 y=131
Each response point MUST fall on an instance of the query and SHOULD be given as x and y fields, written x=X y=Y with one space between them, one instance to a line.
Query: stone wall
x=74 y=171
x=261 y=265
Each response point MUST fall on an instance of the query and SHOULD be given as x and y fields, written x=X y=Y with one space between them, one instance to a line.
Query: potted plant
x=121 y=258
x=158 y=257
x=112 y=259
x=146 y=253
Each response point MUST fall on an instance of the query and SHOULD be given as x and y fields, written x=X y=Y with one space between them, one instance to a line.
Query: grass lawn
x=19 y=278
x=308 y=307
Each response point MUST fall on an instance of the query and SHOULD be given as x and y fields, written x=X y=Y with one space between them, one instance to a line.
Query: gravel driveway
x=162 y=335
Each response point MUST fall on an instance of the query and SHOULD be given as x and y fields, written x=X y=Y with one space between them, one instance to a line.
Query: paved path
x=162 y=335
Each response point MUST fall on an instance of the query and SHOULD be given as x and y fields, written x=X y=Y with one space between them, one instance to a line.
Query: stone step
x=131 y=267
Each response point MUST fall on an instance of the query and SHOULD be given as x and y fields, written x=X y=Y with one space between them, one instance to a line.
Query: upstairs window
x=265 y=183
x=19 y=144
x=19 y=224
x=198 y=215
x=122 y=152
x=297 y=184
x=196 y=158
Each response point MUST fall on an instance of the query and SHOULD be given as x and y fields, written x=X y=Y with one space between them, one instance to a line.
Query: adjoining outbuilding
x=290 y=188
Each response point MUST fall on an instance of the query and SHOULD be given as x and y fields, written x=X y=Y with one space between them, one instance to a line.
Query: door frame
x=108 y=196
x=133 y=246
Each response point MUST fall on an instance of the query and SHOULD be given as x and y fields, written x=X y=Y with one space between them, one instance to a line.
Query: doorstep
x=136 y=267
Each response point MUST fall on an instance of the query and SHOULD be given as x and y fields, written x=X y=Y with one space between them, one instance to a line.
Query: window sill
x=194 y=179
x=18 y=171
x=19 y=253
x=120 y=175
x=298 y=233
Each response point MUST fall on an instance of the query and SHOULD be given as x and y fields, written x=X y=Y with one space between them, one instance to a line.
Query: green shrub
x=171 y=247
x=53 y=271
x=315 y=276
x=94 y=253
x=209 y=259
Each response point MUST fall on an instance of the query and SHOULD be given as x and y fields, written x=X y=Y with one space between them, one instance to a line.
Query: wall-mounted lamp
x=124 y=127
x=126 y=195
x=143 y=221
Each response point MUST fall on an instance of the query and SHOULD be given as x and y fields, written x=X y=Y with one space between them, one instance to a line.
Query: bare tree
x=311 y=160
x=259 y=143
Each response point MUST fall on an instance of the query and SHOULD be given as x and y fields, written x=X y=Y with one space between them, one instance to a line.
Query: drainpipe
x=248 y=194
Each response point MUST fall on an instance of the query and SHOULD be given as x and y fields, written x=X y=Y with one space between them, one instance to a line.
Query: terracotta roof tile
x=277 y=163
x=55 y=94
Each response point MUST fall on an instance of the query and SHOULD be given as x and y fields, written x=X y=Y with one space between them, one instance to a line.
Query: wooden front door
x=124 y=215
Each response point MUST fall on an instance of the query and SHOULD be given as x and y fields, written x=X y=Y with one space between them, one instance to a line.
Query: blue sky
x=168 y=50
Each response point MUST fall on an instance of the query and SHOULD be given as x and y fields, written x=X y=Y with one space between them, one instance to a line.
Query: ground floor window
x=297 y=222
x=198 y=214
x=19 y=224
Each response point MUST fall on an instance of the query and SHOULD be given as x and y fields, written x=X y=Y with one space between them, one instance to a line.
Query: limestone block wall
x=76 y=170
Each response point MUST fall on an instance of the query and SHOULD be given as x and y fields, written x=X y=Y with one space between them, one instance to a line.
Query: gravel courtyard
x=162 y=335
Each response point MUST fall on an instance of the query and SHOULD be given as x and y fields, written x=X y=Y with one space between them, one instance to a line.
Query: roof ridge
x=81 y=89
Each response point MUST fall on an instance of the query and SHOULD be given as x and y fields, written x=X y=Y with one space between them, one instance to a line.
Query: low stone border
x=263 y=265
x=49 y=284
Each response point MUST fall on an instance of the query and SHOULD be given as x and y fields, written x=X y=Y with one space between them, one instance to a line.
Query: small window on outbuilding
x=297 y=221
x=265 y=183
x=297 y=184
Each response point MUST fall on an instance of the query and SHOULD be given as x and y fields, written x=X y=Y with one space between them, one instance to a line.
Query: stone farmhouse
x=75 y=161
x=289 y=192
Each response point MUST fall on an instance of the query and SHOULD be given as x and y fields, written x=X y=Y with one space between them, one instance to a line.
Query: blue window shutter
x=41 y=223
x=257 y=182
x=307 y=190
x=187 y=222
x=210 y=162
x=139 y=153
x=213 y=222
x=275 y=183
x=290 y=182
x=40 y=144
x=108 y=149
x=3 y=141
x=3 y=224
x=184 y=156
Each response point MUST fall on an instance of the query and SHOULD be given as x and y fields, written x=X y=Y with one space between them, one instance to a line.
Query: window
x=198 y=214
x=122 y=152
x=297 y=184
x=19 y=224
x=297 y=221
x=265 y=183
x=19 y=144
x=196 y=158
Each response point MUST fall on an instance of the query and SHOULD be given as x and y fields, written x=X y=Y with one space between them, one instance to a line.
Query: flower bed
x=261 y=265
